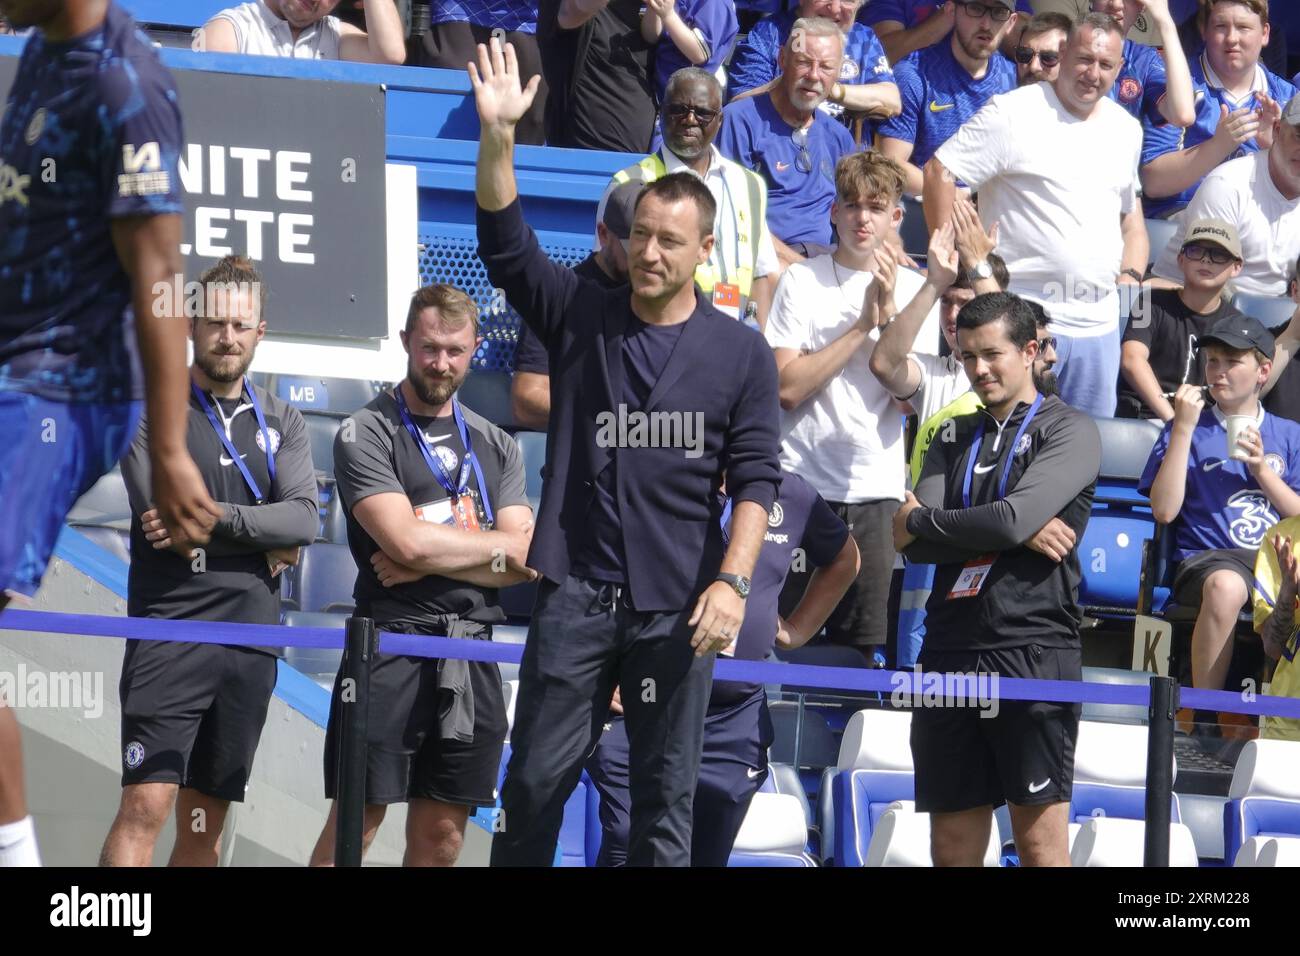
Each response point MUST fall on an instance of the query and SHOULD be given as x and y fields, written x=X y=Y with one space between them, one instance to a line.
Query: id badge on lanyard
x=229 y=445
x=975 y=573
x=460 y=508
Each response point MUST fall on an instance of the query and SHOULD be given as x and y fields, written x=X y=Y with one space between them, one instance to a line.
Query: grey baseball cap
x=620 y=207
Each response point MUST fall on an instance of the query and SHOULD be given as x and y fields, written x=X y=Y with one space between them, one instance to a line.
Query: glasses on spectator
x=1045 y=343
x=996 y=11
x=802 y=162
x=1216 y=254
x=1025 y=55
x=679 y=111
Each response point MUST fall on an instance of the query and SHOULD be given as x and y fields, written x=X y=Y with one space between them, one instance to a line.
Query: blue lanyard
x=230 y=448
x=717 y=244
x=1011 y=455
x=725 y=521
x=435 y=465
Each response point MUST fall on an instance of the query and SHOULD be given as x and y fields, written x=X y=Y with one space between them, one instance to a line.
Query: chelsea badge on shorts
x=134 y=755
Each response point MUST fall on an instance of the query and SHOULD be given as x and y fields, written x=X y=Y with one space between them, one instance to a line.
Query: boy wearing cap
x=1220 y=495
x=1160 y=340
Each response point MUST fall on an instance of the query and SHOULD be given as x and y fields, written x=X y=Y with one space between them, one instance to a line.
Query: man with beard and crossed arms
x=438 y=520
x=192 y=713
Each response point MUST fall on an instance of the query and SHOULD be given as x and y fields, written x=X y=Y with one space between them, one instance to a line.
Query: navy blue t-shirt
x=799 y=521
x=799 y=194
x=646 y=350
x=91 y=132
x=1223 y=506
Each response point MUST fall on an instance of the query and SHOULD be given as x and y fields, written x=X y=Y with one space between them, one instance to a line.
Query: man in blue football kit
x=802 y=528
x=945 y=85
x=1221 y=496
x=89 y=224
x=905 y=26
x=1153 y=85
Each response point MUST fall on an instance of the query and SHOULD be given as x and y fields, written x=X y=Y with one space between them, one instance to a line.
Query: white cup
x=1237 y=425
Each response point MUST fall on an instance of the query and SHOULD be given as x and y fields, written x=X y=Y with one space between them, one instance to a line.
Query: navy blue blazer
x=667 y=500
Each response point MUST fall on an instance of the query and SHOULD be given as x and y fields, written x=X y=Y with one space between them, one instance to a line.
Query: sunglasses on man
x=1025 y=55
x=679 y=111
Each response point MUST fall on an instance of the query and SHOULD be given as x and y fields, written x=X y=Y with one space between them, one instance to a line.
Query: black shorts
x=192 y=714
x=407 y=757
x=1189 y=579
x=968 y=757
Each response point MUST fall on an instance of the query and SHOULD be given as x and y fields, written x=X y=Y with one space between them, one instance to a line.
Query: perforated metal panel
x=455 y=260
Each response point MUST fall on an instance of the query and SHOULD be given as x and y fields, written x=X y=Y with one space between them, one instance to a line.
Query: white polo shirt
x=260 y=32
x=1242 y=192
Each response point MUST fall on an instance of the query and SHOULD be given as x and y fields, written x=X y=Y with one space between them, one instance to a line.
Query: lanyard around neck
x=229 y=445
x=461 y=485
x=1011 y=455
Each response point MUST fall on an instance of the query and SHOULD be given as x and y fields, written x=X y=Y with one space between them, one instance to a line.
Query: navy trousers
x=583 y=641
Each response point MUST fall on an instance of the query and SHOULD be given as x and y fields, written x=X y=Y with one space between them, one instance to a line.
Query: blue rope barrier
x=907 y=684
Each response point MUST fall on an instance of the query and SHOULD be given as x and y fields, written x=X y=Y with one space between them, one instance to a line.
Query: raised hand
x=942 y=259
x=973 y=243
x=1270 y=112
x=1237 y=127
x=501 y=100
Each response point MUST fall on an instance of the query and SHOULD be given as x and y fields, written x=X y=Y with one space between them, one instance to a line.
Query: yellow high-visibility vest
x=737 y=263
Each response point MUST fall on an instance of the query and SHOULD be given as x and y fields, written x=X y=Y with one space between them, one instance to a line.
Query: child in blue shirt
x=1220 y=501
x=688 y=33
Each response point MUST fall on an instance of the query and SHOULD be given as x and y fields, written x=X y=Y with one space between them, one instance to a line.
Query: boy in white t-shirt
x=841 y=430
x=1055 y=165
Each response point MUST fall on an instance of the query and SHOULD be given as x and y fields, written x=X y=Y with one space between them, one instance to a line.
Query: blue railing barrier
x=361 y=640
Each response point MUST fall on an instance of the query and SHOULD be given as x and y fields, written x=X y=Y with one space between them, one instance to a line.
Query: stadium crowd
x=1035 y=143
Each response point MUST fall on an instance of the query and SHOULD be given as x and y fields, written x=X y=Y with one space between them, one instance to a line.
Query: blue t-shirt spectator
x=513 y=16
x=713 y=22
x=100 y=114
x=939 y=96
x=755 y=62
x=1142 y=83
x=1161 y=139
x=1223 y=506
x=911 y=12
x=800 y=181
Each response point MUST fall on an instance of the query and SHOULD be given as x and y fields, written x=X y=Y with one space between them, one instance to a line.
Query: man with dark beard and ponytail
x=438 y=520
x=192 y=713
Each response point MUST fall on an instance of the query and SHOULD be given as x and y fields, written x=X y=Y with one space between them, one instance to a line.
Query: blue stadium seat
x=580 y=833
x=1159 y=232
x=341 y=396
x=532 y=445
x=1264 y=798
x=873 y=770
x=325 y=579
x=321 y=431
x=1114 y=544
x=1273 y=311
x=773 y=834
x=320 y=663
x=1110 y=766
x=334 y=527
x=488 y=393
x=783 y=778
